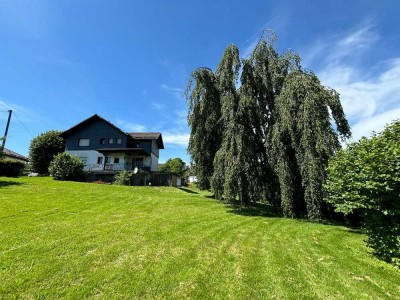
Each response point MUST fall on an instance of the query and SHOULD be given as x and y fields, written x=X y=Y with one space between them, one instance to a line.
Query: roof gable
x=86 y=122
x=149 y=136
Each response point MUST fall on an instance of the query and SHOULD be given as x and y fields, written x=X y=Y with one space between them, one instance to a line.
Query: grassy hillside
x=80 y=240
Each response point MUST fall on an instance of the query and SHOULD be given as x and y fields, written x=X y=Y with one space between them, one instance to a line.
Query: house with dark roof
x=105 y=148
x=14 y=155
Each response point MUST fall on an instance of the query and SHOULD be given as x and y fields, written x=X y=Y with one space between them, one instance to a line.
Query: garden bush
x=67 y=167
x=124 y=178
x=43 y=149
x=10 y=167
x=366 y=177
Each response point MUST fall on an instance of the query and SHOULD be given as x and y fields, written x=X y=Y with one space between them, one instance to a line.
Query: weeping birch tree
x=272 y=135
x=204 y=120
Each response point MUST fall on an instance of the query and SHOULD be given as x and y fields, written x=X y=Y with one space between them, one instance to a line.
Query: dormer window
x=119 y=141
x=111 y=141
x=102 y=141
x=83 y=142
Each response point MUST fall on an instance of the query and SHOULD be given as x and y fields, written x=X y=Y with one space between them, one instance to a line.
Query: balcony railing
x=115 y=167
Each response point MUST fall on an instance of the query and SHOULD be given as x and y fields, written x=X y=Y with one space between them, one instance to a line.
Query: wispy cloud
x=343 y=46
x=23 y=114
x=175 y=91
x=274 y=24
x=158 y=105
x=365 y=126
x=29 y=17
x=181 y=139
x=172 y=89
x=370 y=94
x=131 y=127
x=176 y=131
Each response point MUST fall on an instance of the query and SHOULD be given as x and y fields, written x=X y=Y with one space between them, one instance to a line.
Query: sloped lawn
x=80 y=240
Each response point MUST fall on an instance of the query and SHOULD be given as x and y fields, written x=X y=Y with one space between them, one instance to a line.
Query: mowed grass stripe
x=79 y=240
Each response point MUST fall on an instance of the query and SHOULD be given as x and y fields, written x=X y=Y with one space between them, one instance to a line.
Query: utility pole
x=6 y=132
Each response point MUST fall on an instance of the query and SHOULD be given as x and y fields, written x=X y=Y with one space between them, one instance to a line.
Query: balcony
x=115 y=167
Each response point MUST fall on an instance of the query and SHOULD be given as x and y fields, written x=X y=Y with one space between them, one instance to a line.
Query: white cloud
x=181 y=139
x=370 y=95
x=365 y=127
x=175 y=91
x=131 y=127
x=171 y=89
x=22 y=113
x=336 y=49
x=158 y=106
x=276 y=23
x=29 y=17
x=365 y=97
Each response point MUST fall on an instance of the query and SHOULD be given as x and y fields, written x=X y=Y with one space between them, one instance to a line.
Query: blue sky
x=129 y=61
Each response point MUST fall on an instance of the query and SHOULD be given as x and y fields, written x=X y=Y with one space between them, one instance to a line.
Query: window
x=119 y=141
x=116 y=160
x=111 y=141
x=100 y=160
x=108 y=160
x=84 y=142
x=102 y=141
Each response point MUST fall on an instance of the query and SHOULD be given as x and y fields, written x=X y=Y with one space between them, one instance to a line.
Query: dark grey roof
x=88 y=120
x=136 y=135
x=149 y=136
x=13 y=154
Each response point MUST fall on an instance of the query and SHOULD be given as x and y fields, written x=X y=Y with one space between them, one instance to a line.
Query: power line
x=23 y=125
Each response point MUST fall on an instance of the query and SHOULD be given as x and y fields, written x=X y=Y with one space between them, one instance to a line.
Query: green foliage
x=43 y=148
x=65 y=166
x=366 y=176
x=69 y=240
x=124 y=177
x=175 y=165
x=204 y=119
x=303 y=139
x=275 y=133
x=10 y=167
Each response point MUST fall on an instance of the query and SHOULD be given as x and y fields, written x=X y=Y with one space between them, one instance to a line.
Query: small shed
x=166 y=179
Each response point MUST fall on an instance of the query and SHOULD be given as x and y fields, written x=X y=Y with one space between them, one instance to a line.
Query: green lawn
x=81 y=240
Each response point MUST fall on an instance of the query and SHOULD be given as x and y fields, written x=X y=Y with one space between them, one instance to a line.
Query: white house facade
x=103 y=147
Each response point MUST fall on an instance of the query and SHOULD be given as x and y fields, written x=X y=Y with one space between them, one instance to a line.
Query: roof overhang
x=157 y=136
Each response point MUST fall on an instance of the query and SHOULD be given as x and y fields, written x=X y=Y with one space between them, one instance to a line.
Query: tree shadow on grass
x=188 y=190
x=255 y=210
x=267 y=210
x=5 y=183
x=336 y=223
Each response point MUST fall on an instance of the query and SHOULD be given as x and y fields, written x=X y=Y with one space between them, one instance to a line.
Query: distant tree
x=366 y=177
x=204 y=116
x=175 y=165
x=43 y=148
x=65 y=166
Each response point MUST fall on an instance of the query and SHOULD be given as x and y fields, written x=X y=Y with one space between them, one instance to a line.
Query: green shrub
x=43 y=149
x=124 y=178
x=366 y=177
x=67 y=167
x=10 y=167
